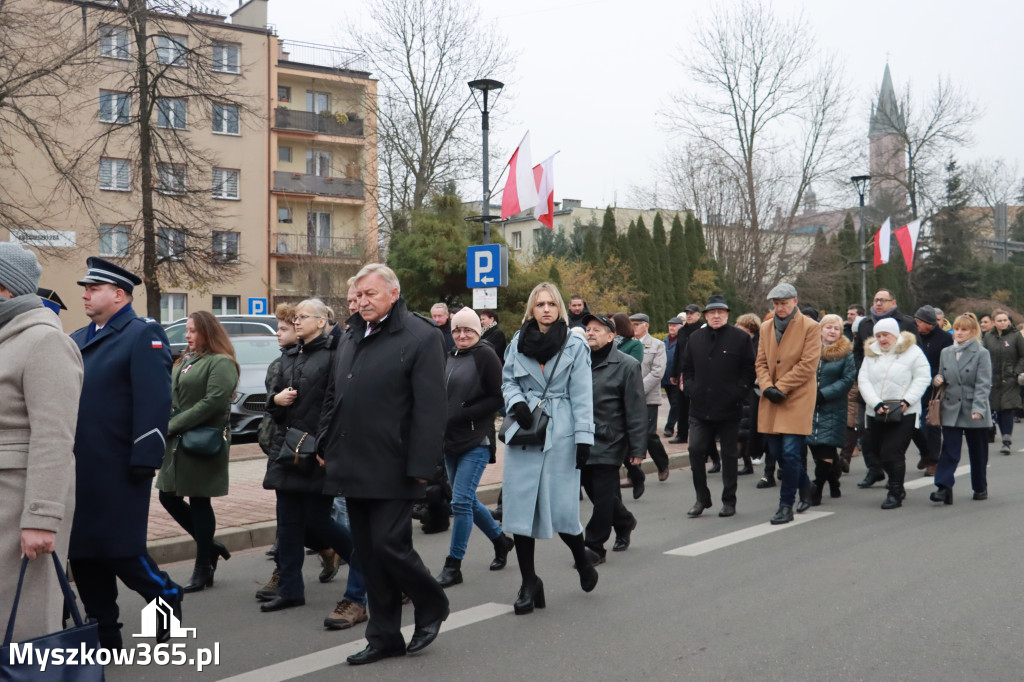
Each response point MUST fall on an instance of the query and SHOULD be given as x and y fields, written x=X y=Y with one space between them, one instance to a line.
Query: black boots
x=783 y=515
x=531 y=594
x=202 y=577
x=943 y=495
x=748 y=467
x=219 y=551
x=833 y=478
x=805 y=499
x=872 y=478
x=503 y=544
x=451 y=574
x=894 y=498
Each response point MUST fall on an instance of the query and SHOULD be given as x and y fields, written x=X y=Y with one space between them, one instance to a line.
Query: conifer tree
x=608 y=242
x=679 y=262
x=664 y=270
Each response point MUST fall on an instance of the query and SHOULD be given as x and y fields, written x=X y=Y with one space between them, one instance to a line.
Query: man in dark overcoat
x=119 y=445
x=382 y=436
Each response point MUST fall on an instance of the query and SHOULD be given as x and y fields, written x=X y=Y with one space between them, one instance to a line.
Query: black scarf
x=598 y=356
x=533 y=343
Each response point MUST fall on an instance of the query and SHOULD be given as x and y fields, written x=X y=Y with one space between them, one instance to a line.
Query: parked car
x=254 y=355
x=234 y=325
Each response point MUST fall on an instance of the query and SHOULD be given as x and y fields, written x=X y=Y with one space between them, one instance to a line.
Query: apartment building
x=284 y=174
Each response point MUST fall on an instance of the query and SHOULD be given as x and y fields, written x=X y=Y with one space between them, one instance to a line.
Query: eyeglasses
x=882 y=300
x=300 y=318
x=463 y=331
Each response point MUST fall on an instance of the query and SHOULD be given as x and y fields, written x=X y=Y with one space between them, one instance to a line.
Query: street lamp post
x=861 y=183
x=485 y=86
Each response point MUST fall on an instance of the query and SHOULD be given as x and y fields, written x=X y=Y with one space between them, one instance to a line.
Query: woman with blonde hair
x=542 y=479
x=836 y=372
x=965 y=370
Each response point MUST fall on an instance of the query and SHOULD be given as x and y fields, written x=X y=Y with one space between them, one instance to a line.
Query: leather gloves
x=582 y=455
x=140 y=474
x=523 y=415
x=773 y=394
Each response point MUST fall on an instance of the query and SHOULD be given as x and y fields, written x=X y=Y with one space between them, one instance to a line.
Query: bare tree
x=425 y=52
x=994 y=181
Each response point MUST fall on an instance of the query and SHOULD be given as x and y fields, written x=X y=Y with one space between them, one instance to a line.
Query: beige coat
x=40 y=382
x=652 y=368
x=791 y=367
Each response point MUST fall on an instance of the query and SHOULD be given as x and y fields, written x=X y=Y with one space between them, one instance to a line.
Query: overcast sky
x=593 y=75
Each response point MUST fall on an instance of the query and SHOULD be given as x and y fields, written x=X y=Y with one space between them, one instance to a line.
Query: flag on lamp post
x=883 y=240
x=906 y=236
x=520 y=192
x=543 y=173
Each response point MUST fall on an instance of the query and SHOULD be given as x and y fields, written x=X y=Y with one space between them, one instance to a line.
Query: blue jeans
x=355 y=589
x=464 y=472
x=788 y=451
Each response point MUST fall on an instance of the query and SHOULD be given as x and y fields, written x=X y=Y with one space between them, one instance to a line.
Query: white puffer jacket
x=901 y=373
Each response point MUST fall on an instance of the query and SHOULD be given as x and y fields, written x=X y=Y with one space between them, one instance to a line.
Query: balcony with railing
x=324 y=123
x=298 y=53
x=285 y=244
x=306 y=183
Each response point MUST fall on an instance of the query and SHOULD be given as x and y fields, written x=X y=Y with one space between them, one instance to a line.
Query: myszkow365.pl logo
x=157 y=615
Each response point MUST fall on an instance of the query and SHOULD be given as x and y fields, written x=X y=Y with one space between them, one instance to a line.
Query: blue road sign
x=486 y=266
x=257 y=306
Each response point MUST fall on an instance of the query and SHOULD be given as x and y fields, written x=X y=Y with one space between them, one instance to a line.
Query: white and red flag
x=883 y=240
x=906 y=236
x=543 y=173
x=520 y=192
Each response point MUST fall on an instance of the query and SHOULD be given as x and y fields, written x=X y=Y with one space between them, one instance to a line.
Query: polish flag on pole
x=520 y=189
x=543 y=173
x=907 y=238
x=883 y=240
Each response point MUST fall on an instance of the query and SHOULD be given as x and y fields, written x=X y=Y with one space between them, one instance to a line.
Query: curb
x=262 y=534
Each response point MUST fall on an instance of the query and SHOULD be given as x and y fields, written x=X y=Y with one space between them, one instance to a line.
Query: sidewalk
x=245 y=517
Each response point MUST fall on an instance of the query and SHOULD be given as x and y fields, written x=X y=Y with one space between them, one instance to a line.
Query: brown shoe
x=269 y=591
x=345 y=615
x=330 y=562
x=929 y=470
x=663 y=475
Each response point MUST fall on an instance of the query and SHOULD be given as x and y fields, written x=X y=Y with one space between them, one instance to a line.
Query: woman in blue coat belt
x=965 y=369
x=543 y=481
x=836 y=374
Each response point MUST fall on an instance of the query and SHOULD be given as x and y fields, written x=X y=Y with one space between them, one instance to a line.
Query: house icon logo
x=157 y=615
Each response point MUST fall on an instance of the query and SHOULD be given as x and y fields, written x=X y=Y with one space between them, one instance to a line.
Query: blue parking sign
x=257 y=306
x=486 y=266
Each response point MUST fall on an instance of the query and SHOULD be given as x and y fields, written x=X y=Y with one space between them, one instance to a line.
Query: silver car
x=254 y=355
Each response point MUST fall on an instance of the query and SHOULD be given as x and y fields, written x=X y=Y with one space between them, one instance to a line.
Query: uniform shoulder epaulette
x=148 y=320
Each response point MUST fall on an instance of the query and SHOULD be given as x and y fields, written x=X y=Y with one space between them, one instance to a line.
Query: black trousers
x=702 y=445
x=674 y=395
x=654 y=447
x=601 y=483
x=890 y=442
x=299 y=514
x=382 y=532
x=96 y=580
x=684 y=416
x=869 y=445
x=927 y=438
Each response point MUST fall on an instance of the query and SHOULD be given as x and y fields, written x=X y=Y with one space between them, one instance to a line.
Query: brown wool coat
x=792 y=367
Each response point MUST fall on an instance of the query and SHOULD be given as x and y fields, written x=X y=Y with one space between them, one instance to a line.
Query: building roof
x=886 y=114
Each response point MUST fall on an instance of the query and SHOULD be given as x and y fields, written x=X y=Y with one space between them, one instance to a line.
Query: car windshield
x=256 y=350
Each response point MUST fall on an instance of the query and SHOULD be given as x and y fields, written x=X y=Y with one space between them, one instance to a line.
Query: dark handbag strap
x=65 y=586
x=553 y=369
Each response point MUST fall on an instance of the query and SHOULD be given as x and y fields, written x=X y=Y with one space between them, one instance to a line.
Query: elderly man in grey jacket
x=620 y=433
x=653 y=369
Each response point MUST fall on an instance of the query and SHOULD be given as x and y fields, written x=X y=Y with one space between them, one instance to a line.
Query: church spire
x=886 y=116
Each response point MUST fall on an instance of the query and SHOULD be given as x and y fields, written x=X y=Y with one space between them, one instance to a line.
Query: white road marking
x=327 y=658
x=711 y=544
x=927 y=481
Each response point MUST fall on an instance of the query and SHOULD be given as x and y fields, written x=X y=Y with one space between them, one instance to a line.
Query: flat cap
x=640 y=317
x=675 y=320
x=601 y=319
x=782 y=291
x=693 y=308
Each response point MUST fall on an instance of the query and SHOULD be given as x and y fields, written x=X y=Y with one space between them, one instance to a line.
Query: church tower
x=888 y=160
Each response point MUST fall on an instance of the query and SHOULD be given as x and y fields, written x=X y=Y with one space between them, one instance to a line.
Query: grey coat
x=653 y=368
x=620 y=415
x=541 y=485
x=40 y=382
x=968 y=382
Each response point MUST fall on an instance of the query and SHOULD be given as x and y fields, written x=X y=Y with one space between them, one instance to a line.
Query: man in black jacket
x=578 y=309
x=620 y=415
x=928 y=438
x=718 y=372
x=382 y=434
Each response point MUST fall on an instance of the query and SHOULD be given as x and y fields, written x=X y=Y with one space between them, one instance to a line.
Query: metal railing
x=285 y=244
x=325 y=124
x=327 y=56
x=304 y=183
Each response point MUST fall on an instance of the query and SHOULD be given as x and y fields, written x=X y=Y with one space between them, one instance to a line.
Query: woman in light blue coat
x=543 y=482
x=965 y=369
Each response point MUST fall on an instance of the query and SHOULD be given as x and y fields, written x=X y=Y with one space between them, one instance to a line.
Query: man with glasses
x=883 y=306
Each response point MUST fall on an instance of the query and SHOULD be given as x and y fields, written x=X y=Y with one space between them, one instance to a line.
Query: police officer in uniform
x=119 y=445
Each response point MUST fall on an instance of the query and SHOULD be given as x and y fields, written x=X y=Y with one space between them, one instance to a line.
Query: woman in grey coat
x=543 y=482
x=965 y=369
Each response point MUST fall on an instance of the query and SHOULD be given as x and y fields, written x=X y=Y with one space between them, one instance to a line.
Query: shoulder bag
x=84 y=636
x=537 y=433
x=934 y=415
x=892 y=412
x=204 y=441
x=298 y=452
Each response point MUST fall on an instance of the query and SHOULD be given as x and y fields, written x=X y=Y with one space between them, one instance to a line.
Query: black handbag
x=83 y=636
x=204 y=441
x=538 y=431
x=298 y=452
x=892 y=411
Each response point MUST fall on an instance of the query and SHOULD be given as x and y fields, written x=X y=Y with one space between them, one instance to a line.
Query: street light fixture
x=861 y=183
x=485 y=86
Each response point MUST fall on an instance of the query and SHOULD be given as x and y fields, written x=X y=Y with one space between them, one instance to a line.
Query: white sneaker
x=756 y=461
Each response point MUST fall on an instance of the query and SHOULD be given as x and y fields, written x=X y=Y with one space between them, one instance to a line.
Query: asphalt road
x=925 y=592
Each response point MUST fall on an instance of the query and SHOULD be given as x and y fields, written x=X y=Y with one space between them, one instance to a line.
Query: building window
x=225 y=305
x=170 y=243
x=318 y=163
x=318 y=231
x=225 y=183
x=170 y=178
x=115 y=174
x=171 y=50
x=285 y=273
x=517 y=240
x=284 y=214
x=114 y=42
x=225 y=247
x=172 y=307
x=225 y=119
x=226 y=57
x=284 y=154
x=115 y=107
x=284 y=93
x=114 y=240
x=317 y=101
x=170 y=113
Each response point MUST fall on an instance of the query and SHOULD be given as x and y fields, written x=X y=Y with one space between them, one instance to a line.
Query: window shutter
x=218 y=118
x=124 y=177
x=179 y=113
x=218 y=183
x=106 y=174
x=232 y=58
x=232 y=184
x=124 y=108
x=232 y=119
x=106 y=108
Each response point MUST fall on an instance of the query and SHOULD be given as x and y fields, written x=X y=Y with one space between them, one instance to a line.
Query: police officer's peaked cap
x=104 y=272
